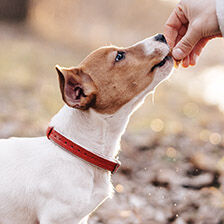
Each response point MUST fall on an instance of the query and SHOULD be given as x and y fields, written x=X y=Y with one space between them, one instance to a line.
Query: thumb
x=186 y=44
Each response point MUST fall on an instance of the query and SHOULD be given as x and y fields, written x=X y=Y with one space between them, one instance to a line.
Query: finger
x=193 y=58
x=186 y=62
x=200 y=45
x=186 y=44
x=191 y=43
x=183 y=30
x=173 y=25
x=181 y=33
x=195 y=53
x=171 y=34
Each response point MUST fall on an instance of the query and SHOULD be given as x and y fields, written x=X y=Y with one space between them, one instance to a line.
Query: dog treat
x=176 y=62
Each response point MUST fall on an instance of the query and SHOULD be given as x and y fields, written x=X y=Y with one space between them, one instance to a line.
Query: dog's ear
x=77 y=88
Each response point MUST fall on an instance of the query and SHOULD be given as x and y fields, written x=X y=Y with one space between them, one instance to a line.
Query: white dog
x=42 y=182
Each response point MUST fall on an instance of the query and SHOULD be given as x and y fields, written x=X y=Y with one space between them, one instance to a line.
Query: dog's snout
x=160 y=38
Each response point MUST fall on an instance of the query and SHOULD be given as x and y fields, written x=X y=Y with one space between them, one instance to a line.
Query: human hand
x=190 y=26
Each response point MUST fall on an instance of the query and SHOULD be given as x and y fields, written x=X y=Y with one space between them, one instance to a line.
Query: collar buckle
x=48 y=132
x=116 y=167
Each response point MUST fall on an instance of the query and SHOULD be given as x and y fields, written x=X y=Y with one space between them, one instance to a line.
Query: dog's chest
x=80 y=188
x=47 y=175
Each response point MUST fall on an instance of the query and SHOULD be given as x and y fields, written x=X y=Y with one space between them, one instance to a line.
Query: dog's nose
x=160 y=38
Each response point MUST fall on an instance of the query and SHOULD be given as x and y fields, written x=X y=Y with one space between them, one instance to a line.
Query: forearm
x=220 y=14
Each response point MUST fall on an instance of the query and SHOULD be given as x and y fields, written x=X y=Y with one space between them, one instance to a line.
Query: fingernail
x=185 y=63
x=178 y=54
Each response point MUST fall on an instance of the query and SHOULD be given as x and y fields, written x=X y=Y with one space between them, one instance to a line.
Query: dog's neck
x=98 y=133
x=95 y=132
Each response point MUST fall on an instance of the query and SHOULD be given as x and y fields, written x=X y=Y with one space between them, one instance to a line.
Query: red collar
x=81 y=152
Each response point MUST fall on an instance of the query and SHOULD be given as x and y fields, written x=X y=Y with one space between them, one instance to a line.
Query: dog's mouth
x=161 y=64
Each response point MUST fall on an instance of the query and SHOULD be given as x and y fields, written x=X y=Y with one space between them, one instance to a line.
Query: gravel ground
x=169 y=180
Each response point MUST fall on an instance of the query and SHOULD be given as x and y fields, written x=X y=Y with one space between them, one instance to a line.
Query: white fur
x=147 y=45
x=150 y=46
x=220 y=14
x=43 y=184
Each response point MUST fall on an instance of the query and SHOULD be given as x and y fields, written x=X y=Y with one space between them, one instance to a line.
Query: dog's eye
x=120 y=56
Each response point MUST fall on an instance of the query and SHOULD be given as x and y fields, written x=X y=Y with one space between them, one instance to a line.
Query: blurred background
x=173 y=151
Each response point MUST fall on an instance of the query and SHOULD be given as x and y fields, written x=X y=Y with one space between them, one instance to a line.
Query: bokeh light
x=157 y=125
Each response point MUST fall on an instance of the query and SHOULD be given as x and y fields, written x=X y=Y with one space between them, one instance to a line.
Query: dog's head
x=111 y=76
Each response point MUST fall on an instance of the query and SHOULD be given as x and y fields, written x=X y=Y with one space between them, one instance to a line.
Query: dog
x=42 y=181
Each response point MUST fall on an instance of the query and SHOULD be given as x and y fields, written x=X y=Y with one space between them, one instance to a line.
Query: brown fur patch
x=116 y=83
x=72 y=78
